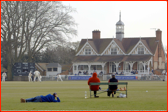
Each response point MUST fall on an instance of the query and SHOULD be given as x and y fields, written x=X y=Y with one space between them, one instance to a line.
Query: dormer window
x=87 y=51
x=113 y=51
x=141 y=50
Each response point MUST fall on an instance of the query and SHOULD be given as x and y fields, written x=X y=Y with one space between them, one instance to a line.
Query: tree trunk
x=9 y=68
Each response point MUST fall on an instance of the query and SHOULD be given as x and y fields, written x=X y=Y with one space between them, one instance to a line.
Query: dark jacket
x=49 y=98
x=113 y=87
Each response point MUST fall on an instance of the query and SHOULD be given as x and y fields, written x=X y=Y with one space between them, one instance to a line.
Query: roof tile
x=126 y=45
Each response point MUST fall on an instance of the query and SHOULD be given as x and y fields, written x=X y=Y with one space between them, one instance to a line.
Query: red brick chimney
x=96 y=34
x=159 y=39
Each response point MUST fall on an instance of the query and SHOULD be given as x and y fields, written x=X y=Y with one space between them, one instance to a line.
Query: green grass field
x=71 y=94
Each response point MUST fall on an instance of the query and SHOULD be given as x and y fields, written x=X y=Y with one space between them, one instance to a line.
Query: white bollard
x=85 y=94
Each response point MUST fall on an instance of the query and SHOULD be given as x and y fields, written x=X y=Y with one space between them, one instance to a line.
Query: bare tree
x=29 y=26
x=75 y=45
x=63 y=53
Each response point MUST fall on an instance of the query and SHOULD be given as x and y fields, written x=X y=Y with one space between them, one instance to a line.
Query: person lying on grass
x=47 y=98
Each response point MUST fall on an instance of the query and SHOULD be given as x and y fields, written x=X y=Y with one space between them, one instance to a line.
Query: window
x=140 y=66
x=87 y=51
x=120 y=28
x=96 y=67
x=127 y=66
x=99 y=67
x=113 y=51
x=49 y=69
x=93 y=67
x=80 y=67
x=112 y=67
x=141 y=50
x=74 y=67
x=54 y=69
x=146 y=67
x=83 y=67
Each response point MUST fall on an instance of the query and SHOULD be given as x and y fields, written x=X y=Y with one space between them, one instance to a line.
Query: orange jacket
x=94 y=78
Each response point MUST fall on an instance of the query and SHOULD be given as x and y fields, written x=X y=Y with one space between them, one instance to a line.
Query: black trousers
x=95 y=92
x=110 y=92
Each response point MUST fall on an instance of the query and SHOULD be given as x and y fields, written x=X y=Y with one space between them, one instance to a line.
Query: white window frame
x=113 y=52
x=96 y=67
x=55 y=70
x=141 y=50
x=49 y=70
x=88 y=51
x=83 y=67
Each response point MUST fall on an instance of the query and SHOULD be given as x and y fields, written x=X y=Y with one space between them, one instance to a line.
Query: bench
x=109 y=83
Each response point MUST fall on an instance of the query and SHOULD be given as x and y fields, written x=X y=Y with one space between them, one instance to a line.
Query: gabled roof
x=89 y=43
x=146 y=45
x=93 y=46
x=119 y=43
x=151 y=42
x=98 y=45
x=53 y=65
x=129 y=44
x=126 y=45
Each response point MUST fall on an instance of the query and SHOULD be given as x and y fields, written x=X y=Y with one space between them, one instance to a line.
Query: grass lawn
x=72 y=93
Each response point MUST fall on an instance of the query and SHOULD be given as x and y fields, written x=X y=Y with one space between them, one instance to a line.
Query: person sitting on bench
x=94 y=88
x=112 y=88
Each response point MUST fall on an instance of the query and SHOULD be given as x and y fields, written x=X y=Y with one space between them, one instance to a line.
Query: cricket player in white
x=40 y=77
x=3 y=76
x=37 y=74
x=30 y=76
x=59 y=76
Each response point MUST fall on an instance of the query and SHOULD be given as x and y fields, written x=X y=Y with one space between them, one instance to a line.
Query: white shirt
x=4 y=75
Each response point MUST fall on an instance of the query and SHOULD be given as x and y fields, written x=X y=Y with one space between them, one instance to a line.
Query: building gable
x=87 y=50
x=111 y=47
x=124 y=47
x=139 y=48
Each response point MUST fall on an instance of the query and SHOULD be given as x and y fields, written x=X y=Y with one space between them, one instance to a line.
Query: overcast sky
x=138 y=16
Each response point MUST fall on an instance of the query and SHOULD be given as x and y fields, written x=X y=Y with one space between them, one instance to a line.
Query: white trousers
x=39 y=79
x=30 y=79
x=3 y=79
x=59 y=77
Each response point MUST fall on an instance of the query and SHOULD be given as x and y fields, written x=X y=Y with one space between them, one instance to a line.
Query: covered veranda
x=103 y=65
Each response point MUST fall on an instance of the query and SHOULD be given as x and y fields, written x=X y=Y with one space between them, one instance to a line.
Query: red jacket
x=94 y=78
